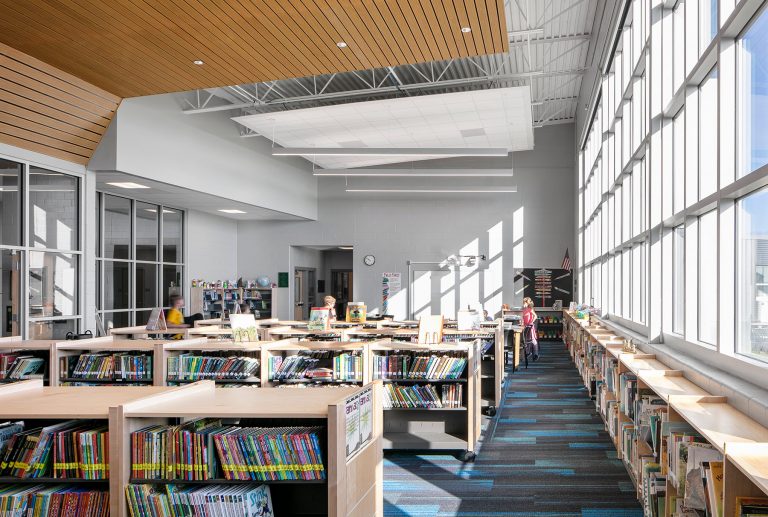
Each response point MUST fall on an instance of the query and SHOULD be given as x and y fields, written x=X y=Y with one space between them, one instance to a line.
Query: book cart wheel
x=467 y=456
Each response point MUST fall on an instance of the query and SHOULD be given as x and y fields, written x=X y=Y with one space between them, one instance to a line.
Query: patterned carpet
x=545 y=454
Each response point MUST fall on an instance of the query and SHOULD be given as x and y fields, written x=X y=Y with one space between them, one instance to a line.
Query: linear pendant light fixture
x=435 y=190
x=390 y=151
x=415 y=173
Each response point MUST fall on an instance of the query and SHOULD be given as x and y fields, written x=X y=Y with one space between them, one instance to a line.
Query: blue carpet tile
x=545 y=454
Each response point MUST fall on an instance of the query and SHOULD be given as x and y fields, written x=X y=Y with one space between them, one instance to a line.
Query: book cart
x=346 y=422
x=415 y=423
x=104 y=360
x=650 y=410
x=22 y=359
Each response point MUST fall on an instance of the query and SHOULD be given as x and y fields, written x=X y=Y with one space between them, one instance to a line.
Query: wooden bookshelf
x=292 y=347
x=202 y=346
x=354 y=484
x=107 y=344
x=742 y=440
x=745 y=473
x=435 y=429
x=42 y=348
x=219 y=302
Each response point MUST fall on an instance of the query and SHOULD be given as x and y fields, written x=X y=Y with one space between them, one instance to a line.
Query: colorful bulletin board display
x=546 y=286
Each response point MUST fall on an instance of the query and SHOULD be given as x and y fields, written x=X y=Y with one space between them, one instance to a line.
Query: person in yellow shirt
x=175 y=318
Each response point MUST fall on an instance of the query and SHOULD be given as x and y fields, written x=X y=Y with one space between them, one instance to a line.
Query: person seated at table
x=175 y=318
x=245 y=308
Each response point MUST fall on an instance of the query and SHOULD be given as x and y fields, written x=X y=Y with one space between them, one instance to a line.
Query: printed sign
x=352 y=414
x=391 y=283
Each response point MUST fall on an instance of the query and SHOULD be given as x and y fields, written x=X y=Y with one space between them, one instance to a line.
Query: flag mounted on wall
x=566 y=261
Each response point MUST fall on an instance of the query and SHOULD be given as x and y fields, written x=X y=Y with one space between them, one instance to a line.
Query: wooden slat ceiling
x=46 y=110
x=143 y=47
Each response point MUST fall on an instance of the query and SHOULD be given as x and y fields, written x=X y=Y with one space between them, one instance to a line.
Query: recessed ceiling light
x=198 y=62
x=231 y=211
x=154 y=211
x=346 y=248
x=127 y=184
x=466 y=30
x=341 y=44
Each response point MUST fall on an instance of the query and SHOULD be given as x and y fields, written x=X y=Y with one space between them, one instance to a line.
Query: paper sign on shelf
x=352 y=415
x=391 y=283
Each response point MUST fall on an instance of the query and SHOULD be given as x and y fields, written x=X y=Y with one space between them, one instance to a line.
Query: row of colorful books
x=427 y=397
x=190 y=367
x=19 y=366
x=418 y=366
x=74 y=449
x=209 y=500
x=106 y=366
x=52 y=501
x=317 y=366
x=205 y=449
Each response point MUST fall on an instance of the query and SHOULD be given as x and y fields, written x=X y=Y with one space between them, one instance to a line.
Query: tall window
x=708 y=135
x=678 y=279
x=753 y=77
x=47 y=254
x=752 y=275
x=140 y=259
x=708 y=278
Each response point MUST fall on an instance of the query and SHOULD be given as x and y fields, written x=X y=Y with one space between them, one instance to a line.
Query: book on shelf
x=317 y=365
x=53 y=501
x=422 y=397
x=214 y=500
x=319 y=318
x=243 y=327
x=107 y=366
x=751 y=506
x=419 y=366
x=19 y=366
x=206 y=449
x=73 y=449
x=195 y=367
x=712 y=472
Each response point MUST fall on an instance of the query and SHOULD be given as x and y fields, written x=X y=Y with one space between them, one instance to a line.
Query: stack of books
x=15 y=366
x=73 y=449
x=190 y=367
x=423 y=397
x=205 y=449
x=291 y=367
x=53 y=501
x=104 y=366
x=251 y=501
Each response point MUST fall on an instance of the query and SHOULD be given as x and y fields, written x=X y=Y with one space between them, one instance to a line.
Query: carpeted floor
x=545 y=454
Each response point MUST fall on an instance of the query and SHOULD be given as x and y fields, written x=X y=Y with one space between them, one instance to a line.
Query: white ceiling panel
x=498 y=117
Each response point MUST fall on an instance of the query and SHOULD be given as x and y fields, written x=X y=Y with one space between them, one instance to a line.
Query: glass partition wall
x=40 y=251
x=140 y=262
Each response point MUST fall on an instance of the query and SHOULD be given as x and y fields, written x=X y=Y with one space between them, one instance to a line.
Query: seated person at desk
x=330 y=304
x=176 y=319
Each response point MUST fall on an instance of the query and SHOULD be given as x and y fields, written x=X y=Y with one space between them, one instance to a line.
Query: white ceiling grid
x=480 y=118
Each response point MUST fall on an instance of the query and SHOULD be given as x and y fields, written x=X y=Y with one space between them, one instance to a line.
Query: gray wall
x=211 y=247
x=528 y=229
x=151 y=137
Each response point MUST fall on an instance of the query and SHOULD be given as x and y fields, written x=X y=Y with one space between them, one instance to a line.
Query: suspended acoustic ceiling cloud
x=483 y=118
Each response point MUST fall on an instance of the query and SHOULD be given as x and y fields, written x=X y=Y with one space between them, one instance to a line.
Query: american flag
x=566 y=261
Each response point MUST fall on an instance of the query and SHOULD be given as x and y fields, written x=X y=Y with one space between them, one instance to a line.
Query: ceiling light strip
x=390 y=151
x=436 y=190
x=415 y=173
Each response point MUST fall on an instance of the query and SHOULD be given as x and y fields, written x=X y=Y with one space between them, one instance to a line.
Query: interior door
x=298 y=295
x=341 y=289
x=10 y=295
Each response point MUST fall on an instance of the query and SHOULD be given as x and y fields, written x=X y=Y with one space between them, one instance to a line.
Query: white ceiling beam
x=414 y=173
x=390 y=151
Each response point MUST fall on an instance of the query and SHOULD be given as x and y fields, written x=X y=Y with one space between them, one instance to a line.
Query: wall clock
x=369 y=260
